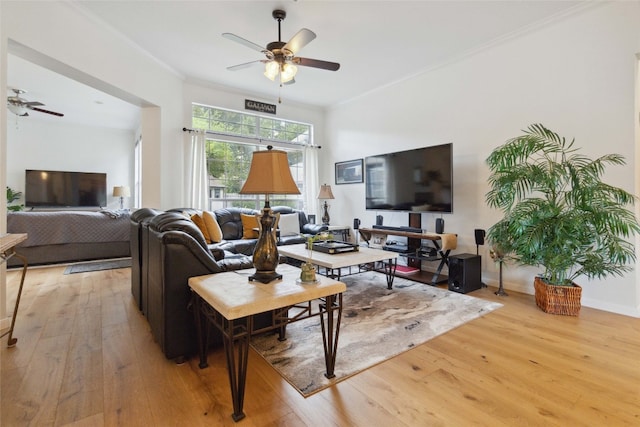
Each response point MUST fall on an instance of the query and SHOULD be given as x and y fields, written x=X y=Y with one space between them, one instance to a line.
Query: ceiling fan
x=281 y=59
x=19 y=106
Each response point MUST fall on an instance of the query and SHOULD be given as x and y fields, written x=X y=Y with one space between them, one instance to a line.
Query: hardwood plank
x=92 y=421
x=126 y=401
x=81 y=395
x=36 y=399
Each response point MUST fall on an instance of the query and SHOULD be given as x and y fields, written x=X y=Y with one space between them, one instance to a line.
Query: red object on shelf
x=406 y=270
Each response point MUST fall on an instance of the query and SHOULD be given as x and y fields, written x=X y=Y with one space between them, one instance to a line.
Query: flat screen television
x=57 y=189
x=417 y=180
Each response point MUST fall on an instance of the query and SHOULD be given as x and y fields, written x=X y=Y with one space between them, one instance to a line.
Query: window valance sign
x=259 y=106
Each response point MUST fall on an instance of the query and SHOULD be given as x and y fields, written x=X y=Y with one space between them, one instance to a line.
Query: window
x=232 y=138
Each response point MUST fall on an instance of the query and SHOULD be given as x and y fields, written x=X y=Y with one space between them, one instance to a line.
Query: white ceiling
x=377 y=43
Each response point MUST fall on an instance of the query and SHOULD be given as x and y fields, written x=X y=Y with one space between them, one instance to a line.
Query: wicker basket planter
x=554 y=299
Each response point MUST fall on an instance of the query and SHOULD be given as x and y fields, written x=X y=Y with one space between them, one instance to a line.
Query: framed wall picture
x=349 y=172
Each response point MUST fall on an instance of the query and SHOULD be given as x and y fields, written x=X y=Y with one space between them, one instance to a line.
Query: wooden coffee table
x=334 y=263
x=229 y=301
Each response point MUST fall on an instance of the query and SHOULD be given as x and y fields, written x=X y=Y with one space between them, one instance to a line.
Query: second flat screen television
x=57 y=189
x=417 y=180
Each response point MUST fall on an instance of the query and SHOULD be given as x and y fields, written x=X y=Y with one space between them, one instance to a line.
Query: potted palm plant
x=13 y=196
x=559 y=215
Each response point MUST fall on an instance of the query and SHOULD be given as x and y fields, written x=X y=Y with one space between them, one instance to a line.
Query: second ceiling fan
x=281 y=59
x=20 y=106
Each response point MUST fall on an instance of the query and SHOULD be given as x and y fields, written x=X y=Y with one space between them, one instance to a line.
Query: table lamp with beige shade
x=269 y=174
x=325 y=193
x=122 y=192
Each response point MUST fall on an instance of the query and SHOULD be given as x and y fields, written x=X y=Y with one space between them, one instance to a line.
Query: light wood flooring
x=85 y=357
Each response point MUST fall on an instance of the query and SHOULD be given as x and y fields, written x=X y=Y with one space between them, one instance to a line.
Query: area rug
x=98 y=265
x=377 y=324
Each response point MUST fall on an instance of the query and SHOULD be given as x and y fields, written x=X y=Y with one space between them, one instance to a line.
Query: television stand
x=442 y=244
x=405 y=229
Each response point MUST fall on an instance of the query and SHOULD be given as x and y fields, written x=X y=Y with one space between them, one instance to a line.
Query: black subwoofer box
x=464 y=273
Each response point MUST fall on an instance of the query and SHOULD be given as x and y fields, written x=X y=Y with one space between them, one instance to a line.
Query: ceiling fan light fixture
x=18 y=110
x=271 y=70
x=287 y=72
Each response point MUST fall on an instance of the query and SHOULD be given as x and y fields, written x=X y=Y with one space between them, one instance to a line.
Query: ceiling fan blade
x=316 y=63
x=245 y=42
x=246 y=65
x=34 y=104
x=46 y=111
x=300 y=40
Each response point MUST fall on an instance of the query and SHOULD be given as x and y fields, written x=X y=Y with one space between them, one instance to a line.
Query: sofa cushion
x=249 y=223
x=289 y=225
x=215 y=232
x=230 y=222
x=237 y=246
x=199 y=222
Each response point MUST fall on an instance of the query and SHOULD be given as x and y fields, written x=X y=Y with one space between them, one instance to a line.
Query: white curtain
x=312 y=187
x=198 y=188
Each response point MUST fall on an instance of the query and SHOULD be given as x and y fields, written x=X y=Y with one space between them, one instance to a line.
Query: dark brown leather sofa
x=177 y=251
x=139 y=220
x=168 y=249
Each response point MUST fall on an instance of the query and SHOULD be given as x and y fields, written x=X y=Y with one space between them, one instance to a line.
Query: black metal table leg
x=390 y=271
x=236 y=337
x=202 y=329
x=236 y=348
x=331 y=331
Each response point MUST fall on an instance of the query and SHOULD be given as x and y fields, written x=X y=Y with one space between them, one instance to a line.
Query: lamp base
x=265 y=254
x=265 y=276
x=325 y=217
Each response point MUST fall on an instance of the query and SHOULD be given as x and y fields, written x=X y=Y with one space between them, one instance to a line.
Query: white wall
x=576 y=76
x=37 y=144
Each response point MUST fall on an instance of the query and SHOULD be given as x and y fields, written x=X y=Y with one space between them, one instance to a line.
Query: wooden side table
x=8 y=243
x=229 y=301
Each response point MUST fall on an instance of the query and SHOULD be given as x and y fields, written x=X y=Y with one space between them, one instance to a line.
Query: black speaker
x=479 y=236
x=356 y=223
x=439 y=225
x=464 y=273
x=379 y=220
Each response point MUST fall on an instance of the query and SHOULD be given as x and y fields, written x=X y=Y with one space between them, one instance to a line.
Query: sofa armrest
x=198 y=252
x=236 y=263
x=314 y=229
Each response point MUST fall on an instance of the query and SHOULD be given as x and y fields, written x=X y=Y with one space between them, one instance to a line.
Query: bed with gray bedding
x=67 y=236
